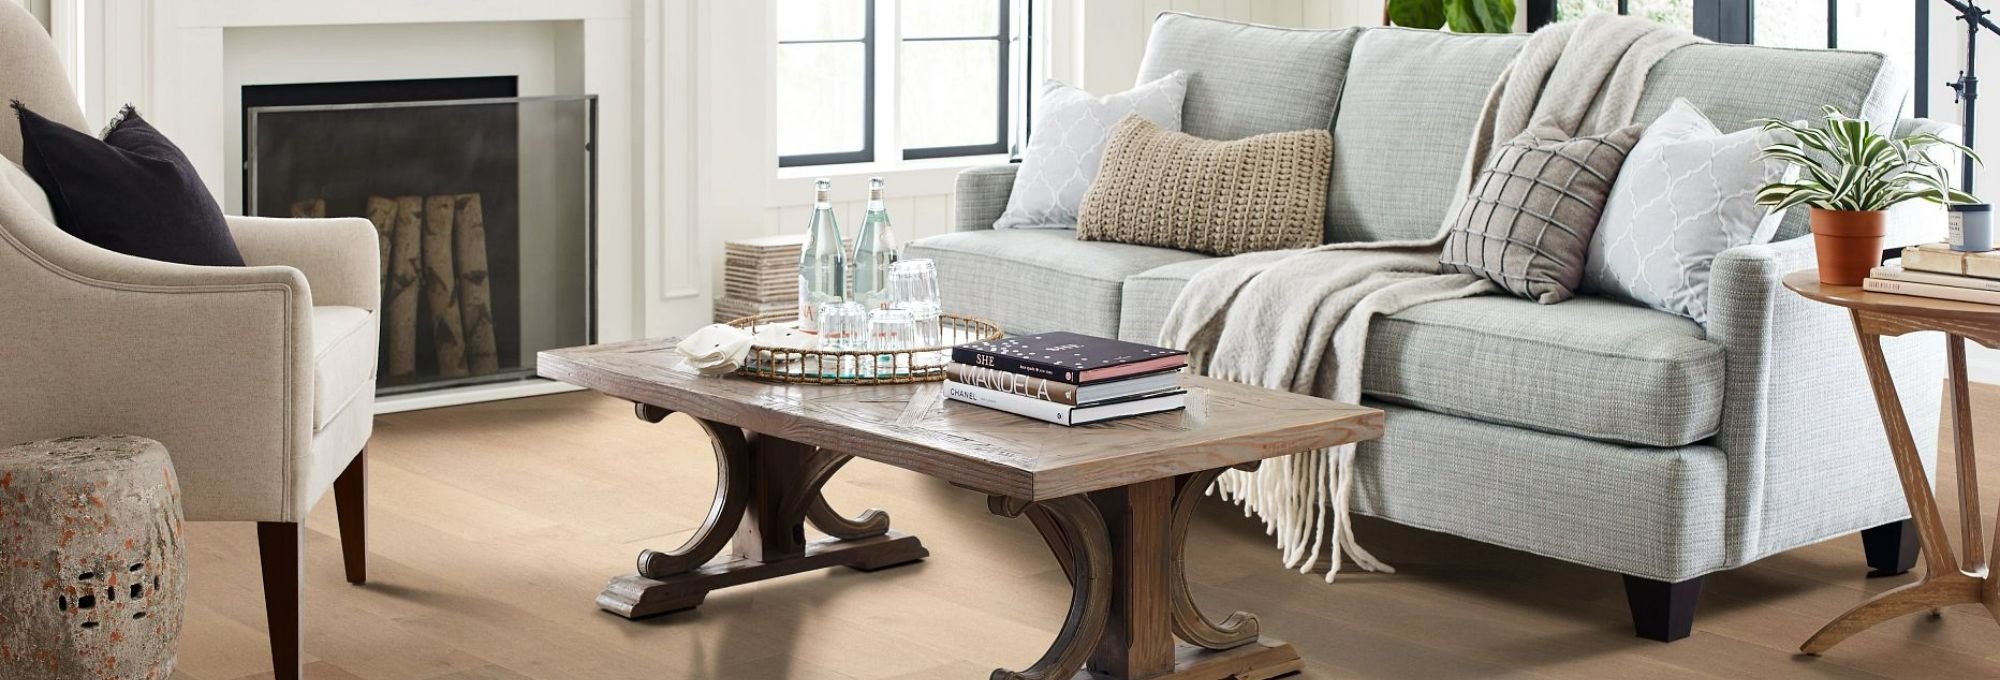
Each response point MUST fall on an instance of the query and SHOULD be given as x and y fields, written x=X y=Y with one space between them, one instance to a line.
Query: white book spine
x=1984 y=297
x=1901 y=274
x=1012 y=403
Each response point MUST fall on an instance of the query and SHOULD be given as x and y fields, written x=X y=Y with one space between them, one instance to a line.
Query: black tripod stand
x=1967 y=85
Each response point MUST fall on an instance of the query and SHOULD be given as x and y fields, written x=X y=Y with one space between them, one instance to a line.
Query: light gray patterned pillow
x=1527 y=222
x=1687 y=193
x=1068 y=142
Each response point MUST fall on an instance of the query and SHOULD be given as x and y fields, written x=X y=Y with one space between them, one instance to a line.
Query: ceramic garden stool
x=91 y=562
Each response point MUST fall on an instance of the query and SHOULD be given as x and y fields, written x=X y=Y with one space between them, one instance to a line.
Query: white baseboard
x=471 y=394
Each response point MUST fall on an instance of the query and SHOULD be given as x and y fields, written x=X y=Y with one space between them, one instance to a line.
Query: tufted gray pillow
x=1068 y=142
x=1528 y=220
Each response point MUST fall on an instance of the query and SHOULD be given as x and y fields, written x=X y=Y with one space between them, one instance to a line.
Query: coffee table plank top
x=913 y=427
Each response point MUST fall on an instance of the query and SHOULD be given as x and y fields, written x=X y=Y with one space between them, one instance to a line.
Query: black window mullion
x=867 y=151
x=1724 y=21
x=1832 y=24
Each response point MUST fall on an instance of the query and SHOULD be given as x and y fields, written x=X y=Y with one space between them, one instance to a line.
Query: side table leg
x=765 y=488
x=1943 y=584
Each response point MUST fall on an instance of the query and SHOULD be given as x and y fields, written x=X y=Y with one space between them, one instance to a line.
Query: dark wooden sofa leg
x=1892 y=548
x=350 y=500
x=1662 y=611
x=281 y=549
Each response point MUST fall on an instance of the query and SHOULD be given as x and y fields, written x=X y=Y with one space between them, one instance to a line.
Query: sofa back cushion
x=1736 y=84
x=1411 y=100
x=1249 y=80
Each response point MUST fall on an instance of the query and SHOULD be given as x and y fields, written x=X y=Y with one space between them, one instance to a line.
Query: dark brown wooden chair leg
x=281 y=548
x=350 y=499
x=1662 y=611
x=1892 y=548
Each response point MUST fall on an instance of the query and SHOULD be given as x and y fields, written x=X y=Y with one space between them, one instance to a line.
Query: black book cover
x=1068 y=357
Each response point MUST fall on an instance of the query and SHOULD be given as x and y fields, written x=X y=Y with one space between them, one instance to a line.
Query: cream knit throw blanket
x=1298 y=320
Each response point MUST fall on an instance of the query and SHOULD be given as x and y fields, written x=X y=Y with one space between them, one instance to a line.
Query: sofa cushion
x=1036 y=281
x=343 y=341
x=1406 y=115
x=1170 y=189
x=1588 y=367
x=1248 y=80
x=1735 y=84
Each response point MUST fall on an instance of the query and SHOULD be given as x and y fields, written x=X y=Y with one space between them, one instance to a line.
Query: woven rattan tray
x=920 y=364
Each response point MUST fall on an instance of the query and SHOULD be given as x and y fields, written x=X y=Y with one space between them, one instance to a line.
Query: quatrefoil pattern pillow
x=1687 y=193
x=1068 y=143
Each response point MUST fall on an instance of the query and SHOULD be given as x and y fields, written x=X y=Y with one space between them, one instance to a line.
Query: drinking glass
x=843 y=326
x=891 y=331
x=913 y=287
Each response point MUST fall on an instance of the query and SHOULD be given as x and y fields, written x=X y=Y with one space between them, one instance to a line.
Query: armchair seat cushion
x=1588 y=367
x=344 y=347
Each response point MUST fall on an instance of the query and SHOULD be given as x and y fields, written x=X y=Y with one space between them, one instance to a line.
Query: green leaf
x=1495 y=16
x=1417 y=13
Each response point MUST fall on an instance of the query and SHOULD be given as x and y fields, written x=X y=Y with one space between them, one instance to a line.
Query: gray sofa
x=1592 y=431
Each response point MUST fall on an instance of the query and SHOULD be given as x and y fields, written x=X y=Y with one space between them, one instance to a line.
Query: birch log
x=475 y=297
x=441 y=288
x=382 y=212
x=313 y=208
x=402 y=291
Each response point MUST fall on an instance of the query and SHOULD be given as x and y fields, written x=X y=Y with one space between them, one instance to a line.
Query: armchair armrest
x=1807 y=455
x=340 y=257
x=981 y=195
x=214 y=362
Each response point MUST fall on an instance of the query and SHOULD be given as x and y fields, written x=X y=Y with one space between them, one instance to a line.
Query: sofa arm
x=340 y=257
x=1808 y=458
x=981 y=195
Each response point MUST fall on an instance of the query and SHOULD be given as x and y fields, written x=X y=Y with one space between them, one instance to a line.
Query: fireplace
x=482 y=201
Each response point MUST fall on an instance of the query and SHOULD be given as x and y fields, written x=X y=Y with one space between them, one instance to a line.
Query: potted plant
x=1849 y=175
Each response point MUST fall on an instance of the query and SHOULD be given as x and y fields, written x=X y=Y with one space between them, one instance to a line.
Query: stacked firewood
x=434 y=246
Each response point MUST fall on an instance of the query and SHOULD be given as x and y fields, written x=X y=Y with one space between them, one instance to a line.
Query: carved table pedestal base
x=766 y=489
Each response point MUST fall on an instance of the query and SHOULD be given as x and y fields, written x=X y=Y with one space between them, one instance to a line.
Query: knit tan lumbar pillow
x=1169 y=189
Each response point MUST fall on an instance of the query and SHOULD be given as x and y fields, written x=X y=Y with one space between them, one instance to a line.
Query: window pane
x=950 y=93
x=1886 y=27
x=1570 y=9
x=1795 y=23
x=950 y=18
x=821 y=94
x=1671 y=12
x=822 y=19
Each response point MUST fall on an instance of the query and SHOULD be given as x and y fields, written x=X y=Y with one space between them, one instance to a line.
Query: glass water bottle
x=822 y=260
x=874 y=250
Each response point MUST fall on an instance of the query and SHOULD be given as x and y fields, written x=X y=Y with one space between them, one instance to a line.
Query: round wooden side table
x=91 y=562
x=1880 y=315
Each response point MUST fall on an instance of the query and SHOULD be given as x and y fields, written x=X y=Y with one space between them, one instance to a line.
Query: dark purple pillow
x=132 y=192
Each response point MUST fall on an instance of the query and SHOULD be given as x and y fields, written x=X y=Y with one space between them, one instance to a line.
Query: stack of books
x=1934 y=270
x=1067 y=378
x=760 y=276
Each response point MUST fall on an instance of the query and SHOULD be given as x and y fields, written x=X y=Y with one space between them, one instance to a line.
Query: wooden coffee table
x=1113 y=500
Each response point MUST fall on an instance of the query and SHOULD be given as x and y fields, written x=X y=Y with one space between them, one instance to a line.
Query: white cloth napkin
x=715 y=349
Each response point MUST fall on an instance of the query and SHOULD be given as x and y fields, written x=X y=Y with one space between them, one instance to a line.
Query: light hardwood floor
x=494 y=526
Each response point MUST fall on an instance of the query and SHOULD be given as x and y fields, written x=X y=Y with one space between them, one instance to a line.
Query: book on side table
x=1067 y=378
x=1934 y=270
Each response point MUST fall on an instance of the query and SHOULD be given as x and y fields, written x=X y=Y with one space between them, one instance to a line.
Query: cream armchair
x=260 y=380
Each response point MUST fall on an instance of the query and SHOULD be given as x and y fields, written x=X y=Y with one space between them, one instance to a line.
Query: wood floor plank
x=494 y=526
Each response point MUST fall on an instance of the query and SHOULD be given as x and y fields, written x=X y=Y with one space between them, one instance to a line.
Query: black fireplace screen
x=483 y=208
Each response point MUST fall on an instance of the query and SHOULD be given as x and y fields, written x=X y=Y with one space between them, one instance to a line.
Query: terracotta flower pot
x=1849 y=243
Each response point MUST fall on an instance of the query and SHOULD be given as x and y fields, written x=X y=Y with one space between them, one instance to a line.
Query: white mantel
x=184 y=62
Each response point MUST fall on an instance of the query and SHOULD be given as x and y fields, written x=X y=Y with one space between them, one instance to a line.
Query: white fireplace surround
x=184 y=62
